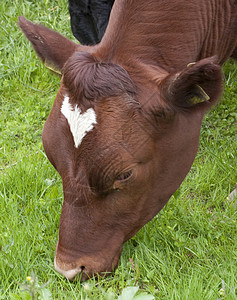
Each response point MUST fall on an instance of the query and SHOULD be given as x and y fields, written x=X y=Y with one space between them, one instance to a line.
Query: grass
x=188 y=251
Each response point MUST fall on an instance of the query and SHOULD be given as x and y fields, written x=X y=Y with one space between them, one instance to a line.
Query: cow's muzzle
x=85 y=267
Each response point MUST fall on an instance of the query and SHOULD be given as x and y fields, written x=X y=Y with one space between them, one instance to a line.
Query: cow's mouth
x=79 y=274
x=82 y=270
x=69 y=274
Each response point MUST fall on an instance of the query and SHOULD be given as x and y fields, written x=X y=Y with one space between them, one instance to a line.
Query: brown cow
x=124 y=128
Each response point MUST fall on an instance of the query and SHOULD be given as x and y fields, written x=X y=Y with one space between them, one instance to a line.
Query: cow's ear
x=199 y=84
x=52 y=48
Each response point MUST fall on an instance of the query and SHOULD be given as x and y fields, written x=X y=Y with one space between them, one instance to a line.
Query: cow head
x=122 y=146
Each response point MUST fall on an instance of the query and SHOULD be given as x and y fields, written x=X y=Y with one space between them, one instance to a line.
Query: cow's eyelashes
x=125 y=175
x=122 y=179
x=106 y=184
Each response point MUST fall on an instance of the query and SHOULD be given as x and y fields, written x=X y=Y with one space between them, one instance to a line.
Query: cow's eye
x=122 y=179
x=124 y=176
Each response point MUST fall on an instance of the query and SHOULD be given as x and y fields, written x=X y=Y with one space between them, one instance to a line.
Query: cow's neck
x=140 y=29
x=156 y=33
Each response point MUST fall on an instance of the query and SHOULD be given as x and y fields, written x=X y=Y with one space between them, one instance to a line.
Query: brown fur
x=87 y=78
x=180 y=90
x=149 y=103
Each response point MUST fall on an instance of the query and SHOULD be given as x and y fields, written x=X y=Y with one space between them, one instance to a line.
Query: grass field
x=189 y=251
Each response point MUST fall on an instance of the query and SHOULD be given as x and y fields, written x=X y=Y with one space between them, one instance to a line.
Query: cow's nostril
x=83 y=268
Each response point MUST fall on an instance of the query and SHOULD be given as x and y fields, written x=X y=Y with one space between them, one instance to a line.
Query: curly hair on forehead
x=87 y=78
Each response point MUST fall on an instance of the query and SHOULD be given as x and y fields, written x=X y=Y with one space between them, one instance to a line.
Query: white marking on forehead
x=80 y=123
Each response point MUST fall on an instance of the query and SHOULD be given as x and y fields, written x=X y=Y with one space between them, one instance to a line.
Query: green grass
x=189 y=251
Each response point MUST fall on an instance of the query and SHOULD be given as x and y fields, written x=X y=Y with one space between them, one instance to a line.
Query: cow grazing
x=89 y=19
x=124 y=128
